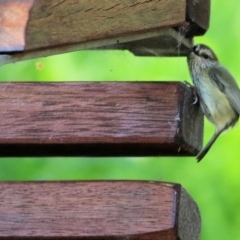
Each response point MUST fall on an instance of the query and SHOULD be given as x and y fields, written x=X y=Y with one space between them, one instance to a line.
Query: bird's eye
x=195 y=48
x=205 y=56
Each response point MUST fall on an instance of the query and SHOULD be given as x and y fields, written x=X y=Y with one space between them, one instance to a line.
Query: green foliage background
x=214 y=183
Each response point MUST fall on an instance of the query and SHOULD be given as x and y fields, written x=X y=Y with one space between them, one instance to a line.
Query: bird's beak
x=190 y=52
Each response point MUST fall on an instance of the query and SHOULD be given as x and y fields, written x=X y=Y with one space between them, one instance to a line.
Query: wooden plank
x=44 y=28
x=99 y=119
x=99 y=210
x=47 y=23
x=90 y=20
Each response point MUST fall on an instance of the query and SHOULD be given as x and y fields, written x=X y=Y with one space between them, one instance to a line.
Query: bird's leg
x=195 y=96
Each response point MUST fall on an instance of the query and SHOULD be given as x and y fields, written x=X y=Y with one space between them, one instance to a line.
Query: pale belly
x=219 y=110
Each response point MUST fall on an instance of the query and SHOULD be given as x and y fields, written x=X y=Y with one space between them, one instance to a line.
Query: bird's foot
x=195 y=95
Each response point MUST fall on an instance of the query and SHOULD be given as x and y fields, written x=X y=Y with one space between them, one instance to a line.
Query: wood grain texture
x=69 y=22
x=99 y=210
x=44 y=28
x=54 y=23
x=99 y=119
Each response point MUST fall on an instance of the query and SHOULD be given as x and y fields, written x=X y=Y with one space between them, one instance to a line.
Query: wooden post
x=99 y=210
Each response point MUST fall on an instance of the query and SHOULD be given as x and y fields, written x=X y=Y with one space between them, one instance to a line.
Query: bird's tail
x=205 y=150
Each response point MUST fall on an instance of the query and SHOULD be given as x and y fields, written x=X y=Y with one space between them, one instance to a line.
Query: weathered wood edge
x=168 y=42
x=134 y=43
x=198 y=17
x=189 y=217
x=191 y=121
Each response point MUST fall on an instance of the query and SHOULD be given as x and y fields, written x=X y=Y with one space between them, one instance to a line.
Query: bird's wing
x=229 y=87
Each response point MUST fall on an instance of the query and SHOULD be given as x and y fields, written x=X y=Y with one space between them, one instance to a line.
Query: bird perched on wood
x=217 y=91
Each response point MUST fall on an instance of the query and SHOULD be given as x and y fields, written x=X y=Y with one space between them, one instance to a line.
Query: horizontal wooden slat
x=36 y=24
x=99 y=119
x=69 y=22
x=99 y=210
x=43 y=28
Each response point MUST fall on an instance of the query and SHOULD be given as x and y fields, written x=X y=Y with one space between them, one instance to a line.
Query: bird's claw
x=195 y=95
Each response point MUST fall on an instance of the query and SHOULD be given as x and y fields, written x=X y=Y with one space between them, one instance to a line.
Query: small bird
x=216 y=89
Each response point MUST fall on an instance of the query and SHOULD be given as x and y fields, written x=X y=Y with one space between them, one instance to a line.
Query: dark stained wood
x=168 y=42
x=69 y=22
x=188 y=214
x=47 y=23
x=97 y=210
x=47 y=27
x=99 y=119
x=198 y=15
